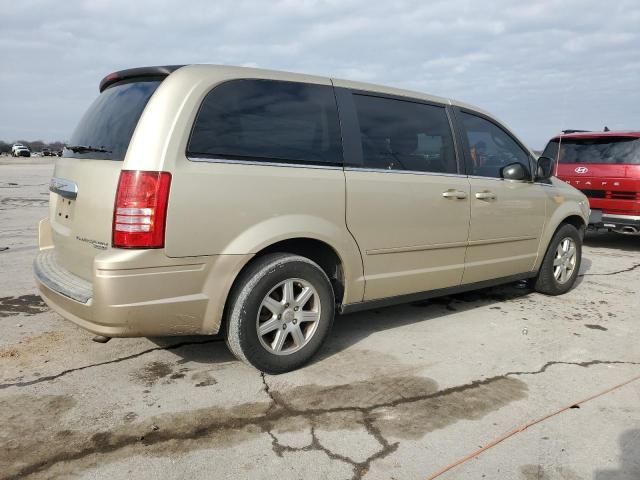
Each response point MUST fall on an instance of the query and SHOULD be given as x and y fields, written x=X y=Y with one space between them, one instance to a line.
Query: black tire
x=546 y=282
x=254 y=284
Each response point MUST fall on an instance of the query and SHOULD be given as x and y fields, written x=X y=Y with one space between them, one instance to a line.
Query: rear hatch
x=85 y=179
x=605 y=168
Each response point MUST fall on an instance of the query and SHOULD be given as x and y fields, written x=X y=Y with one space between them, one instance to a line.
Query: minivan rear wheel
x=559 y=269
x=280 y=312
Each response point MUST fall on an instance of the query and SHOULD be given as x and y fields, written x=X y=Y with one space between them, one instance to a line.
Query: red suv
x=605 y=166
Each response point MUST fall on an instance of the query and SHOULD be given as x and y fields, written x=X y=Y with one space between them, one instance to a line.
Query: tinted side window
x=268 y=120
x=551 y=150
x=403 y=135
x=490 y=147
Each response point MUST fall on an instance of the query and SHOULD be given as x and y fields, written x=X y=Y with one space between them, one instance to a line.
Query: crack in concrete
x=49 y=378
x=108 y=442
x=585 y=364
x=361 y=468
x=628 y=269
x=315 y=444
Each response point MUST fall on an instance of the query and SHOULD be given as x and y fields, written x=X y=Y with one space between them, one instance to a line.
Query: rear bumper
x=140 y=292
x=55 y=278
x=598 y=219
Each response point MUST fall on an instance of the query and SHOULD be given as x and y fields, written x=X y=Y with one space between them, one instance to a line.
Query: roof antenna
x=606 y=129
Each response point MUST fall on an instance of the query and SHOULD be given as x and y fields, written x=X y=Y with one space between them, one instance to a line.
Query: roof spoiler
x=160 y=71
x=606 y=129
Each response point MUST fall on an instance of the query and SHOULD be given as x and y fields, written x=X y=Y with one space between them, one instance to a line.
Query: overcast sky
x=539 y=66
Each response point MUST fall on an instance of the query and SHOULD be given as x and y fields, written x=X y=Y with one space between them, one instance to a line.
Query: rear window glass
x=110 y=121
x=622 y=150
x=267 y=120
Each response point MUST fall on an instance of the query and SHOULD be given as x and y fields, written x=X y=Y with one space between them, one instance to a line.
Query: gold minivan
x=207 y=199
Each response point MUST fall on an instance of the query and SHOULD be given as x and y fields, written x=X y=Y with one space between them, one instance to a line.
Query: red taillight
x=140 y=211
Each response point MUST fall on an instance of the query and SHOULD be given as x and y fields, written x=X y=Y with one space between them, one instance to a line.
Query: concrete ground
x=398 y=392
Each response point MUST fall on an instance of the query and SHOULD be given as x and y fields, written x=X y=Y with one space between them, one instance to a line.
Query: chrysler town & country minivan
x=208 y=199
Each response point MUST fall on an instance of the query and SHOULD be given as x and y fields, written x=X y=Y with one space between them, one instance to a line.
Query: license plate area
x=64 y=210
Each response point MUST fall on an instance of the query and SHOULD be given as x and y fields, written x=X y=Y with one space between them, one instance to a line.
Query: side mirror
x=515 y=171
x=545 y=168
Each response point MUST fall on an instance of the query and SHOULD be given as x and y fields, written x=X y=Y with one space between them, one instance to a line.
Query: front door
x=507 y=217
x=407 y=203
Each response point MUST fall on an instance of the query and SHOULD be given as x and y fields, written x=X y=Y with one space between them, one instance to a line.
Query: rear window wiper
x=85 y=148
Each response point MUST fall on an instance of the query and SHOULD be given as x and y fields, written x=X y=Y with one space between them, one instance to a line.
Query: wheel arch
x=575 y=220
x=319 y=251
x=562 y=216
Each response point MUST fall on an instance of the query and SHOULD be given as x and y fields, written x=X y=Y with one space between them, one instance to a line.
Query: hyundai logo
x=581 y=170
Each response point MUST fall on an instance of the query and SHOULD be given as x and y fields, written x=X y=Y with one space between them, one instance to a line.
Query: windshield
x=620 y=150
x=106 y=129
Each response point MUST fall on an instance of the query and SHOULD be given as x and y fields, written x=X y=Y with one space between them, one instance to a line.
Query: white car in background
x=15 y=147
x=19 y=150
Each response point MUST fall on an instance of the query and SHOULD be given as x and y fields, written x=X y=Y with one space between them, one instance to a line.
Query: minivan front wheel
x=280 y=312
x=559 y=269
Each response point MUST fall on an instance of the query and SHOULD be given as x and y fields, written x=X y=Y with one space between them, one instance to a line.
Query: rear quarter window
x=268 y=120
x=110 y=121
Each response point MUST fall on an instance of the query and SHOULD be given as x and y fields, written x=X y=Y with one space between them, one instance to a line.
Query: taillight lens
x=140 y=211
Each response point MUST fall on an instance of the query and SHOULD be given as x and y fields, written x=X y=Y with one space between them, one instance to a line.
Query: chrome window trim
x=404 y=172
x=261 y=163
x=480 y=177
x=322 y=167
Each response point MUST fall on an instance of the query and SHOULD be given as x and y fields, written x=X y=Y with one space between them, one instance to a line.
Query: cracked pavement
x=398 y=392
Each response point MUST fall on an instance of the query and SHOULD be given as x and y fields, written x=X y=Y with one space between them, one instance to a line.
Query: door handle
x=486 y=195
x=460 y=195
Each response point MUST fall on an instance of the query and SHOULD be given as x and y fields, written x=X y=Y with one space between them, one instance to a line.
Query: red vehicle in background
x=605 y=166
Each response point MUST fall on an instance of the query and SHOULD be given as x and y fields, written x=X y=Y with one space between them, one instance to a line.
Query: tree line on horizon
x=33 y=145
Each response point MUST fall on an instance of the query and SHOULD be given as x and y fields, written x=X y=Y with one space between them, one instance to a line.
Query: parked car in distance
x=15 y=147
x=605 y=166
x=207 y=199
x=46 y=152
x=21 y=151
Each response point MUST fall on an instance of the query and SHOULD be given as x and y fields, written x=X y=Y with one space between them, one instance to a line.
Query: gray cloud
x=540 y=66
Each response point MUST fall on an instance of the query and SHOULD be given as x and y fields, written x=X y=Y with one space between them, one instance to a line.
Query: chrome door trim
x=63 y=187
x=403 y=172
x=480 y=177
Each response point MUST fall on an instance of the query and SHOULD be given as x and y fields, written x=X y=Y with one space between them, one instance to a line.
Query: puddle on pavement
x=405 y=407
x=152 y=372
x=22 y=305
x=539 y=472
x=19 y=202
x=166 y=373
